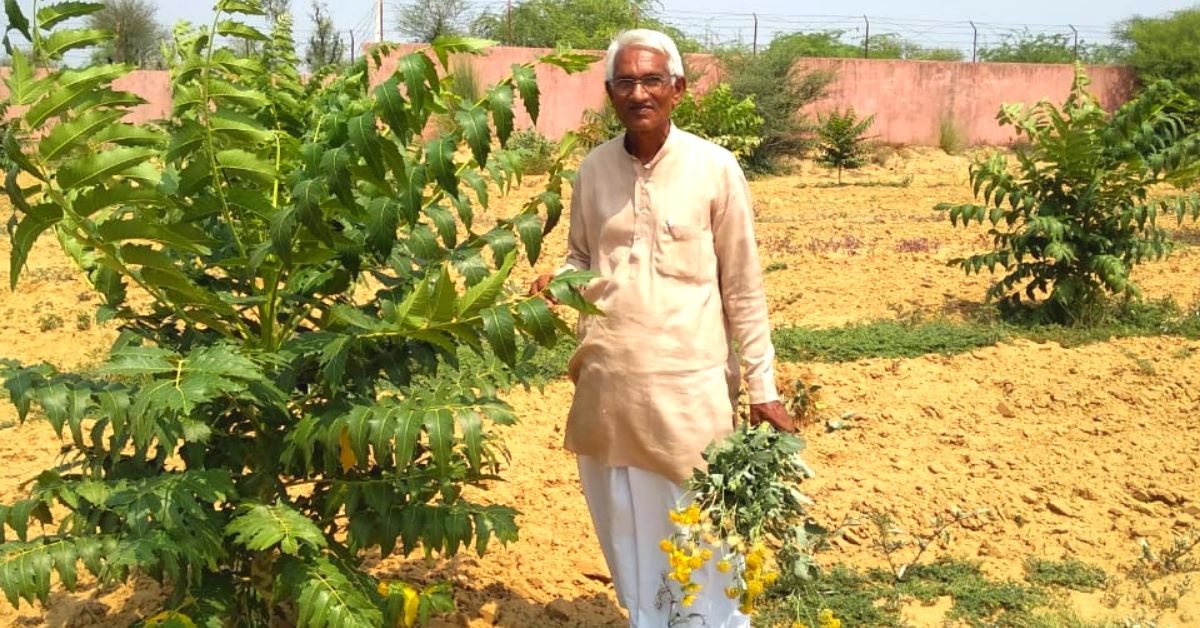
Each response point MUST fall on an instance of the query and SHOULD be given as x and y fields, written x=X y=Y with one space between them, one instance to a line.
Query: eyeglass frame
x=669 y=79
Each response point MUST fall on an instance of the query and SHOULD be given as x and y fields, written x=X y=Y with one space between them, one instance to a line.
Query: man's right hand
x=539 y=286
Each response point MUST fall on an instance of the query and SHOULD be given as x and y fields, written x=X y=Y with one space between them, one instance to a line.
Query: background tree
x=1165 y=47
x=324 y=46
x=137 y=34
x=582 y=24
x=778 y=92
x=426 y=20
x=1027 y=47
x=275 y=9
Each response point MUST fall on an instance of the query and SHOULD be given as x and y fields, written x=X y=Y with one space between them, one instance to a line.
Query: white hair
x=644 y=38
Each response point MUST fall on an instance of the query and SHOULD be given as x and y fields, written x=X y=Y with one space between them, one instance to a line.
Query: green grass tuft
x=1068 y=574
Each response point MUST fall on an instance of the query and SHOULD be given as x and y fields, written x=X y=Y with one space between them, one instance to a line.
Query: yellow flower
x=384 y=588
x=693 y=514
x=770 y=577
x=666 y=545
x=692 y=587
x=799 y=624
x=412 y=604
x=688 y=599
x=733 y=593
x=695 y=562
x=723 y=566
x=826 y=619
x=175 y=618
x=747 y=608
x=705 y=553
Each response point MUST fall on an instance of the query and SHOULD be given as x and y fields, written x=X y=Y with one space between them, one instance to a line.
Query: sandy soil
x=1072 y=452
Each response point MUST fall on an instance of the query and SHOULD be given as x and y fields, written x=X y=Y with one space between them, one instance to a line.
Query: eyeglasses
x=653 y=83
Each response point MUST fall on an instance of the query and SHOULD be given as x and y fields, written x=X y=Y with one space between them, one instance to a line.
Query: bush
x=1076 y=215
x=285 y=394
x=842 y=143
x=1026 y=47
x=779 y=93
x=538 y=153
x=599 y=126
x=951 y=137
x=1166 y=48
x=724 y=120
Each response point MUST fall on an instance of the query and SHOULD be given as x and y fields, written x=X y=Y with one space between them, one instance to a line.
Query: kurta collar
x=672 y=138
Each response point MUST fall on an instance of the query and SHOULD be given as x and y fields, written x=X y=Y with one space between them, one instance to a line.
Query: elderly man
x=664 y=217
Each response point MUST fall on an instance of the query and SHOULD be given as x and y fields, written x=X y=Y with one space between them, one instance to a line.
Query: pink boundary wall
x=908 y=98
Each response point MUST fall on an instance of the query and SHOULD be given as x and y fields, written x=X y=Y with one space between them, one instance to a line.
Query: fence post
x=754 y=47
x=974 y=40
x=867 y=40
x=1076 y=34
x=352 y=47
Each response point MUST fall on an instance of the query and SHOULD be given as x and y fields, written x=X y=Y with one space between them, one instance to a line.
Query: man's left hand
x=774 y=413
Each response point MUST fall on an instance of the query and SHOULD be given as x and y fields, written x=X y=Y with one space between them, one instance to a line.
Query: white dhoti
x=629 y=508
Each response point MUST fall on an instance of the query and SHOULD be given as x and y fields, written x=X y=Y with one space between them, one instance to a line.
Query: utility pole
x=379 y=21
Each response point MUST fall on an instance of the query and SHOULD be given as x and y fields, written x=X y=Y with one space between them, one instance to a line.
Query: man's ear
x=680 y=88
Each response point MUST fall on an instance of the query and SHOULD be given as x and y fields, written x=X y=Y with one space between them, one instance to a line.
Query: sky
x=932 y=23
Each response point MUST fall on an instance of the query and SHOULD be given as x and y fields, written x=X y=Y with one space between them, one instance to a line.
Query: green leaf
x=72 y=134
x=61 y=41
x=97 y=168
x=390 y=106
x=444 y=296
x=239 y=127
x=500 y=101
x=537 y=320
x=500 y=330
x=529 y=227
x=326 y=594
x=52 y=14
x=134 y=361
x=475 y=127
x=408 y=433
x=439 y=156
x=259 y=527
x=364 y=136
x=232 y=28
x=308 y=196
x=439 y=426
x=181 y=236
x=23 y=237
x=240 y=6
x=445 y=45
x=526 y=81
x=18 y=22
x=485 y=293
x=21 y=80
x=246 y=165
x=74 y=86
x=443 y=221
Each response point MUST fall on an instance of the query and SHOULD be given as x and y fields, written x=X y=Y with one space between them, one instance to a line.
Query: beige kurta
x=673 y=243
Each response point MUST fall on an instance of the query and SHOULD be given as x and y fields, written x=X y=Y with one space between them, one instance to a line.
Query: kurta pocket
x=677 y=250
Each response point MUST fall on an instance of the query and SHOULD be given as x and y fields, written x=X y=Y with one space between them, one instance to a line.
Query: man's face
x=644 y=105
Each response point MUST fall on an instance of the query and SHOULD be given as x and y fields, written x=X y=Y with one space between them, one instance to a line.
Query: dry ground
x=1074 y=452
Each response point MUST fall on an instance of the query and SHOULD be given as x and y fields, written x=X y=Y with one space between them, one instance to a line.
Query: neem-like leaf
x=71 y=134
x=259 y=527
x=51 y=15
x=439 y=156
x=446 y=45
x=31 y=226
x=326 y=595
x=62 y=41
x=500 y=101
x=526 y=81
x=500 y=330
x=475 y=128
x=246 y=165
x=96 y=168
x=529 y=227
x=390 y=105
x=233 y=28
x=364 y=136
x=18 y=22
x=240 y=6
x=439 y=426
x=485 y=293
x=537 y=320
x=21 y=79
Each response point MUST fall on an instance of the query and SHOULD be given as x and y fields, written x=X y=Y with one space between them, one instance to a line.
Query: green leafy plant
x=1077 y=214
x=50 y=322
x=599 y=126
x=295 y=273
x=951 y=136
x=779 y=93
x=1070 y=573
x=729 y=122
x=538 y=153
x=842 y=141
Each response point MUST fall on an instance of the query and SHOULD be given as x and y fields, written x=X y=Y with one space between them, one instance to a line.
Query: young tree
x=137 y=35
x=315 y=332
x=842 y=142
x=426 y=20
x=324 y=46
